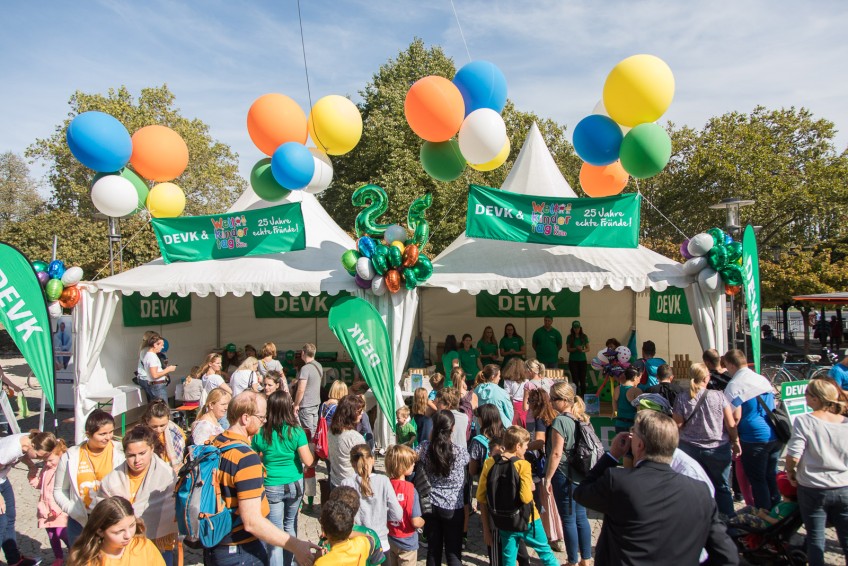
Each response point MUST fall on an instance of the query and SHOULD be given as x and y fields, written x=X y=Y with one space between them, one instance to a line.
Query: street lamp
x=114 y=237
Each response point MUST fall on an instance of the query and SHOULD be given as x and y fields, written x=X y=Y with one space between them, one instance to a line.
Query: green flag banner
x=669 y=306
x=155 y=309
x=525 y=304
x=358 y=326
x=217 y=236
x=751 y=281
x=287 y=305
x=608 y=222
x=24 y=314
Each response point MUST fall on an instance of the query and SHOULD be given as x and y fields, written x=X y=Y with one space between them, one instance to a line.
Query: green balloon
x=54 y=289
x=375 y=202
x=442 y=160
x=717 y=258
x=349 y=259
x=718 y=236
x=264 y=184
x=39 y=265
x=395 y=257
x=423 y=268
x=380 y=259
x=410 y=279
x=138 y=184
x=731 y=274
x=645 y=150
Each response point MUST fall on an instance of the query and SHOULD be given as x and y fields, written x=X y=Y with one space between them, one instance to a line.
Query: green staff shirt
x=280 y=458
x=577 y=342
x=547 y=344
x=488 y=351
x=468 y=361
x=514 y=343
x=447 y=363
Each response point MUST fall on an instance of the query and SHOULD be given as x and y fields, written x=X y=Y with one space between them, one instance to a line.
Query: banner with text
x=525 y=304
x=792 y=395
x=218 y=236
x=751 y=281
x=670 y=306
x=290 y=306
x=608 y=222
x=155 y=310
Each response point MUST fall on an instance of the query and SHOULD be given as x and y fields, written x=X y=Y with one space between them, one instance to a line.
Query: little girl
x=50 y=515
x=378 y=502
x=403 y=535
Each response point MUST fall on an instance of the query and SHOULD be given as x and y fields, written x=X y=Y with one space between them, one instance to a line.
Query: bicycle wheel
x=820 y=372
x=781 y=377
x=769 y=371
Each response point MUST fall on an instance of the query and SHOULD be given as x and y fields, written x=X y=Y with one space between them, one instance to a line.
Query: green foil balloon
x=410 y=279
x=416 y=222
x=395 y=257
x=380 y=259
x=39 y=266
x=734 y=251
x=54 y=289
x=376 y=203
x=423 y=269
x=349 y=259
x=718 y=236
x=731 y=274
x=717 y=257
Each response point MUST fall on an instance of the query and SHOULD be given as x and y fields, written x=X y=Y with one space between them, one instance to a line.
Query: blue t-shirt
x=839 y=373
x=754 y=426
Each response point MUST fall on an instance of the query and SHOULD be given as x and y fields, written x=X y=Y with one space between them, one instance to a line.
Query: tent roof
x=312 y=270
x=825 y=298
x=475 y=265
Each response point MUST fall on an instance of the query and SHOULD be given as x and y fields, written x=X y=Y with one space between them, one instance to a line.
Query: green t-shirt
x=564 y=425
x=280 y=458
x=577 y=341
x=488 y=351
x=783 y=509
x=447 y=364
x=468 y=361
x=547 y=344
x=514 y=343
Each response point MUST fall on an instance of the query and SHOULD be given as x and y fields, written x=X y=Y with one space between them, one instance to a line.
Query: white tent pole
x=217 y=322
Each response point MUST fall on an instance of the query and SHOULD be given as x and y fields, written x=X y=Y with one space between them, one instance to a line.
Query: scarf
x=174 y=444
x=745 y=385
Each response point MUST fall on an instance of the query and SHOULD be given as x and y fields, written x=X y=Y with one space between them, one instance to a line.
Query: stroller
x=777 y=544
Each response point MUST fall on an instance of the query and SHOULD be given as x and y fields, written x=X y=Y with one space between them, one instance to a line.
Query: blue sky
x=217 y=56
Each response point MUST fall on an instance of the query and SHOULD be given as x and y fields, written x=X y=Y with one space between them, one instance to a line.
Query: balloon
x=366 y=246
x=597 y=365
x=159 y=153
x=410 y=281
x=54 y=309
x=624 y=354
x=392 y=279
x=603 y=180
x=380 y=259
x=417 y=222
x=732 y=290
x=395 y=256
x=645 y=150
x=56 y=269
x=684 y=249
x=434 y=109
x=275 y=119
x=72 y=276
x=482 y=135
x=376 y=202
x=728 y=239
x=482 y=85
x=138 y=183
x=378 y=286
x=639 y=89
x=700 y=244
x=264 y=184
x=717 y=257
x=399 y=245
x=42 y=277
x=410 y=255
x=335 y=124
x=323 y=175
x=708 y=279
x=602 y=356
x=597 y=140
x=39 y=265
x=361 y=283
x=394 y=233
x=166 y=200
x=718 y=236
x=54 y=289
x=364 y=269
x=99 y=141
x=496 y=162
x=695 y=265
x=114 y=196
x=599 y=108
x=734 y=251
x=292 y=165
x=442 y=160
x=731 y=274
x=349 y=259
x=424 y=268
x=165 y=344
x=70 y=297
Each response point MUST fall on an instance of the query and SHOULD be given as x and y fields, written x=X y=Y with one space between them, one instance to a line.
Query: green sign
x=751 y=281
x=608 y=222
x=670 y=306
x=23 y=313
x=605 y=429
x=155 y=310
x=792 y=397
x=290 y=306
x=217 y=236
x=525 y=304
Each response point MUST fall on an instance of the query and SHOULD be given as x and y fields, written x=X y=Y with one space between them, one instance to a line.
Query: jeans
x=443 y=529
x=247 y=554
x=716 y=462
x=578 y=370
x=7 y=524
x=535 y=538
x=284 y=501
x=154 y=390
x=74 y=531
x=817 y=507
x=575 y=523
x=759 y=460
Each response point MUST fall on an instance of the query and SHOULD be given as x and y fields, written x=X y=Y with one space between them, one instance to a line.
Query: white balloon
x=365 y=269
x=323 y=175
x=602 y=357
x=624 y=354
x=378 y=286
x=695 y=265
x=394 y=233
x=114 y=196
x=482 y=136
x=709 y=280
x=54 y=310
x=72 y=276
x=700 y=244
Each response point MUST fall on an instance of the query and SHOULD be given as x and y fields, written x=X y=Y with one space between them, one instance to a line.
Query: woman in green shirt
x=282 y=445
x=450 y=354
x=512 y=345
x=469 y=359
x=488 y=347
x=577 y=345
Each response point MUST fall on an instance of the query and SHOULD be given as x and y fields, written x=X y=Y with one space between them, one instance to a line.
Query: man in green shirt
x=547 y=342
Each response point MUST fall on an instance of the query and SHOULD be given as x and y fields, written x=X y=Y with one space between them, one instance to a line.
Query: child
x=336 y=524
x=664 y=387
x=403 y=535
x=378 y=503
x=350 y=497
x=437 y=382
x=515 y=442
x=762 y=518
x=448 y=400
x=50 y=515
x=406 y=432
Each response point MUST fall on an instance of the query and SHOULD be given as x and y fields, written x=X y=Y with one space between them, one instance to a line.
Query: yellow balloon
x=399 y=245
x=166 y=200
x=335 y=125
x=498 y=160
x=639 y=89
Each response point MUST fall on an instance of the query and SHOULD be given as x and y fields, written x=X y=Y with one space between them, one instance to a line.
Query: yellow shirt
x=135 y=484
x=525 y=492
x=352 y=552
x=92 y=469
x=139 y=551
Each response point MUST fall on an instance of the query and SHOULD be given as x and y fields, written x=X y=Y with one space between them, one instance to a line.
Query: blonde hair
x=515 y=435
x=403 y=412
x=457 y=374
x=827 y=392
x=535 y=366
x=194 y=373
x=514 y=371
x=337 y=390
x=249 y=363
x=575 y=405
x=359 y=460
x=419 y=401
x=207 y=363
x=309 y=349
x=214 y=397
x=437 y=380
x=399 y=457
x=698 y=374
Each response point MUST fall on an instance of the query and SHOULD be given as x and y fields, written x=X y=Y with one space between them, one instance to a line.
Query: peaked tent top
x=535 y=172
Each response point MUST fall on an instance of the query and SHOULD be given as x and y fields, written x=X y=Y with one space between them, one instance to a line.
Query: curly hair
x=347 y=413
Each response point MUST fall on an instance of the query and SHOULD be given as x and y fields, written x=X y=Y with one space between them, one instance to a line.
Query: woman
x=469 y=357
x=577 y=344
x=534 y=369
x=114 y=537
x=622 y=399
x=468 y=403
x=450 y=357
x=281 y=443
x=488 y=347
x=83 y=467
x=815 y=462
x=272 y=382
x=511 y=345
x=245 y=377
x=539 y=404
x=250 y=351
x=708 y=433
x=423 y=423
x=156 y=384
x=230 y=360
x=172 y=439
x=209 y=372
x=192 y=388
x=338 y=390
x=444 y=464
x=515 y=374
x=343 y=437
x=558 y=480
x=268 y=362
x=490 y=393
x=208 y=423
x=141 y=372
x=148 y=484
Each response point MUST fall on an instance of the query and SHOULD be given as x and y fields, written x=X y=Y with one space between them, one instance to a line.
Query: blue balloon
x=165 y=345
x=56 y=269
x=292 y=165
x=597 y=140
x=99 y=141
x=482 y=85
x=728 y=239
x=366 y=246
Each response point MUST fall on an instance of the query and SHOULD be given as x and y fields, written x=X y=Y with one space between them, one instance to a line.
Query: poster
x=525 y=304
x=155 y=310
x=792 y=396
x=670 y=306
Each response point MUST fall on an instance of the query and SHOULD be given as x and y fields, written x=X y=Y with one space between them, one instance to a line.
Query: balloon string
x=667 y=219
x=303 y=49
x=460 y=195
x=462 y=35
x=120 y=251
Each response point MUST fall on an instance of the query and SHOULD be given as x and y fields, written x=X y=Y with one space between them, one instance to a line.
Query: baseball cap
x=575 y=324
x=230 y=347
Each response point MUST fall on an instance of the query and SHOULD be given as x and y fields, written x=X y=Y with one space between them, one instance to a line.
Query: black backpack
x=586 y=450
x=503 y=496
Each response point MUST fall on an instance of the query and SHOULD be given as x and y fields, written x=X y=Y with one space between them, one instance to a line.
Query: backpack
x=503 y=496
x=586 y=450
x=202 y=516
x=322 y=446
x=484 y=440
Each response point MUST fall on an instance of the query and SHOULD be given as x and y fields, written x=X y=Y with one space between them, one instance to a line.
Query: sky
x=218 y=56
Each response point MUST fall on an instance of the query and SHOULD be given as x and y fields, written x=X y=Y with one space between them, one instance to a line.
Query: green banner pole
x=751 y=276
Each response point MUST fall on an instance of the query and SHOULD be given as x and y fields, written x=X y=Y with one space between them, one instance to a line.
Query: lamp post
x=114 y=237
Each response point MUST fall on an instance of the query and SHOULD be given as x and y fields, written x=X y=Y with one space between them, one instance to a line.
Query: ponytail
x=440 y=456
x=698 y=374
x=361 y=459
x=578 y=409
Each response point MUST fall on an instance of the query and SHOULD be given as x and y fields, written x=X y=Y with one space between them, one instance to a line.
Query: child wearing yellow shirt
x=337 y=523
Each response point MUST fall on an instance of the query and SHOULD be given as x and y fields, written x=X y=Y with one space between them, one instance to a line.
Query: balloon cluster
x=438 y=109
x=620 y=138
x=279 y=128
x=716 y=258
x=397 y=261
x=612 y=362
x=157 y=153
x=60 y=285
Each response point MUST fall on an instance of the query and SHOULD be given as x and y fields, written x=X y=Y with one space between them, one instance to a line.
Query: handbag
x=322 y=447
x=778 y=419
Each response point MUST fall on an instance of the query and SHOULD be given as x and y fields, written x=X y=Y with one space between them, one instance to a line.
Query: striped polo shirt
x=241 y=477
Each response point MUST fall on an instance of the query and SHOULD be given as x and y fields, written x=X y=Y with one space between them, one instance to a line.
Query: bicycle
x=809 y=368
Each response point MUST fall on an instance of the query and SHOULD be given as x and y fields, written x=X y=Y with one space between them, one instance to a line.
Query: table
x=121 y=399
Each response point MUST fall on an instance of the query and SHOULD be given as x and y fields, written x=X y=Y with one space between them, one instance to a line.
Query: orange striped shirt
x=241 y=477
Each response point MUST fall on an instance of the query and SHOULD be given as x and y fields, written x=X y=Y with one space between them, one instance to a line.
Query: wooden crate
x=680 y=366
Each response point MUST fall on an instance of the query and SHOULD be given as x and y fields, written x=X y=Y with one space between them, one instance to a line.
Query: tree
x=19 y=198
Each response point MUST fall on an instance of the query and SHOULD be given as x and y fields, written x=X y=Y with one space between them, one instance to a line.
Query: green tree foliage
x=19 y=198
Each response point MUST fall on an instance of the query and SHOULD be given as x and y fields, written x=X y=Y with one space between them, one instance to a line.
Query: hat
x=652 y=401
x=575 y=324
x=785 y=488
x=230 y=347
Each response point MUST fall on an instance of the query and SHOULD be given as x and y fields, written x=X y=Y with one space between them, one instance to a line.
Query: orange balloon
x=410 y=255
x=274 y=119
x=603 y=180
x=70 y=297
x=434 y=108
x=159 y=153
x=732 y=290
x=392 y=279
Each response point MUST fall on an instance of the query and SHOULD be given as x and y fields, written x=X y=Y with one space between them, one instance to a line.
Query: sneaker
x=24 y=561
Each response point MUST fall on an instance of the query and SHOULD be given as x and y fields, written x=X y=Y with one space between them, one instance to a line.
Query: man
x=308 y=395
x=835 y=333
x=719 y=376
x=547 y=342
x=242 y=488
x=652 y=514
x=839 y=372
x=647 y=365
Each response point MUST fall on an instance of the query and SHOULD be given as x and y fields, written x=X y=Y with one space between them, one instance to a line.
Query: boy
x=403 y=535
x=349 y=497
x=406 y=433
x=648 y=364
x=664 y=387
x=515 y=442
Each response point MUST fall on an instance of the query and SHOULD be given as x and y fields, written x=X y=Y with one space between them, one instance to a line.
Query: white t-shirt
x=243 y=379
x=150 y=360
x=460 y=426
x=209 y=382
x=141 y=370
x=10 y=452
x=514 y=389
